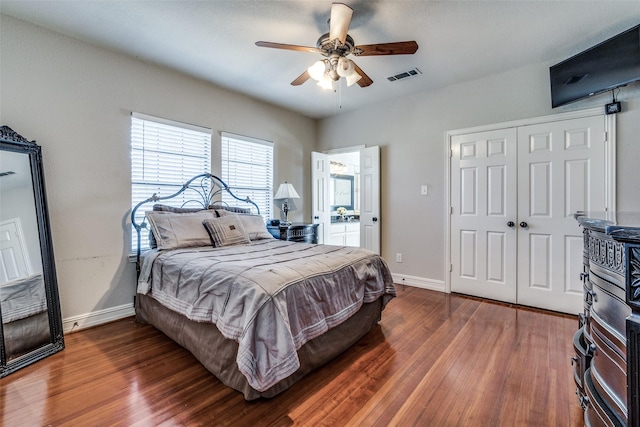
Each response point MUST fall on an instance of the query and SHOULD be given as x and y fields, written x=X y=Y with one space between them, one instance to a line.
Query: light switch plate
x=424 y=190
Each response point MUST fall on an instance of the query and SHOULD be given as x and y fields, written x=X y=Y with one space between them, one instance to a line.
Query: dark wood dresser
x=607 y=360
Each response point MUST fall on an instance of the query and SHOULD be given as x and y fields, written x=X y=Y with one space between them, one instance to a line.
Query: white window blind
x=164 y=155
x=247 y=167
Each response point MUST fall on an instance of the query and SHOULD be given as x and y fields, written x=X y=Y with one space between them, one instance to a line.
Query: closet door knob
x=524 y=225
x=511 y=224
x=375 y=219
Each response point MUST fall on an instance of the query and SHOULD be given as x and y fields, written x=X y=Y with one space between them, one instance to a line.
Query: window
x=247 y=167
x=164 y=155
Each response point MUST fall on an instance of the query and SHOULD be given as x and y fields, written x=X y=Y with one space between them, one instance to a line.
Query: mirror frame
x=348 y=179
x=12 y=141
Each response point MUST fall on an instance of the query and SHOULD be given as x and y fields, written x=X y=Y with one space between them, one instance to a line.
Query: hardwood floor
x=435 y=360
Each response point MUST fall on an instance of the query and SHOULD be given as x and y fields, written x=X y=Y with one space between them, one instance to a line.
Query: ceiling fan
x=335 y=46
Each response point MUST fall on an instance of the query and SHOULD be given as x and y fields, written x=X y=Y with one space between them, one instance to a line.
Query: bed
x=257 y=312
x=25 y=320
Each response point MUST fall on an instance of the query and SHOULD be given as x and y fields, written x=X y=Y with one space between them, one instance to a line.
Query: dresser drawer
x=609 y=369
x=608 y=304
x=584 y=352
x=597 y=413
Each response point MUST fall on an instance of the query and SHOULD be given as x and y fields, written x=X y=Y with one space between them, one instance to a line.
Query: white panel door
x=370 y=198
x=14 y=260
x=534 y=177
x=321 y=211
x=483 y=201
x=561 y=170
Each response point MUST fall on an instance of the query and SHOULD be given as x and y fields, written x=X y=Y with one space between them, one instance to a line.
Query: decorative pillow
x=255 y=227
x=167 y=208
x=179 y=230
x=234 y=209
x=221 y=212
x=226 y=231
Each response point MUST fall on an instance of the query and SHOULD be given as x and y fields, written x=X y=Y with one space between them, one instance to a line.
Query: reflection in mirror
x=22 y=292
x=341 y=191
x=29 y=306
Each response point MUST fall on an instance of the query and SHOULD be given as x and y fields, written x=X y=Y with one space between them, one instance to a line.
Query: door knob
x=316 y=217
x=374 y=219
x=511 y=224
x=524 y=225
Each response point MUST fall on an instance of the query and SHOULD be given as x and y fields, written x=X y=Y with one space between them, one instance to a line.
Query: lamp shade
x=353 y=78
x=286 y=191
x=326 y=82
x=317 y=70
x=345 y=67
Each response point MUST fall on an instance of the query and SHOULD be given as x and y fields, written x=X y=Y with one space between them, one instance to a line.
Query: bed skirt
x=25 y=335
x=218 y=354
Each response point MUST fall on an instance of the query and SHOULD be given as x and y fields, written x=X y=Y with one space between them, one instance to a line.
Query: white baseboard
x=418 y=282
x=76 y=323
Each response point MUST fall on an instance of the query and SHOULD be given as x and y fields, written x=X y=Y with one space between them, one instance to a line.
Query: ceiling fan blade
x=365 y=80
x=288 y=47
x=301 y=79
x=339 y=22
x=397 y=48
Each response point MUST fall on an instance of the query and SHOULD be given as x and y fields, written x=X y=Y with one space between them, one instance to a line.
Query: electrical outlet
x=398 y=257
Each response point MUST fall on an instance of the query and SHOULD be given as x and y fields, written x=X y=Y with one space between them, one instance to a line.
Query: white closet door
x=561 y=170
x=483 y=201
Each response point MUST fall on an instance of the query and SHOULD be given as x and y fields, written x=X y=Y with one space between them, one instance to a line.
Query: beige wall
x=411 y=133
x=75 y=100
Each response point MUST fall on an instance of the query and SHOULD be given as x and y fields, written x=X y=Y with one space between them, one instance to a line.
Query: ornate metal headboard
x=204 y=190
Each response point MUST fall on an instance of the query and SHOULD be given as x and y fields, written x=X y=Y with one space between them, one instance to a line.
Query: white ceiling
x=18 y=163
x=214 y=40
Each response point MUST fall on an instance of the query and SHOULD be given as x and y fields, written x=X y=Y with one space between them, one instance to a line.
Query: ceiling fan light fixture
x=326 y=82
x=335 y=46
x=353 y=78
x=345 y=67
x=317 y=70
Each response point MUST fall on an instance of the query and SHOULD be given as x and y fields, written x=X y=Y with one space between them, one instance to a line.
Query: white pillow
x=180 y=230
x=255 y=227
x=226 y=231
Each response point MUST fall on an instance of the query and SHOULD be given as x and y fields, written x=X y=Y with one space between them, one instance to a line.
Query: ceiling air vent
x=406 y=74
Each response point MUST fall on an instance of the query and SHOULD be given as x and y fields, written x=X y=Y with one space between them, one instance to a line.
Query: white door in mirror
x=14 y=260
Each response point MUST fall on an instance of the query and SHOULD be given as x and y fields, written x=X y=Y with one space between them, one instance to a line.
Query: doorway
x=346 y=197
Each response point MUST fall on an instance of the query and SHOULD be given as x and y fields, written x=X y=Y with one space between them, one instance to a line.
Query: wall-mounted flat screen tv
x=606 y=66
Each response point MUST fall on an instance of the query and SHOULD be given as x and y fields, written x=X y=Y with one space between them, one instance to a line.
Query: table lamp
x=285 y=194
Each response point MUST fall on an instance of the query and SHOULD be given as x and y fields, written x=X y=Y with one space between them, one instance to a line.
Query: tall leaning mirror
x=29 y=302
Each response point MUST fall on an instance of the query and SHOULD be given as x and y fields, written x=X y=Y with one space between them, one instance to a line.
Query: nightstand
x=298 y=232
